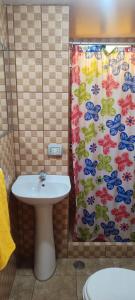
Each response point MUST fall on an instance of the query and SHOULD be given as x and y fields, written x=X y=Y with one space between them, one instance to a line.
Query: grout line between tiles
x=32 y=294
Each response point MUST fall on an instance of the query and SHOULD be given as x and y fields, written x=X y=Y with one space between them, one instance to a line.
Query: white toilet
x=110 y=284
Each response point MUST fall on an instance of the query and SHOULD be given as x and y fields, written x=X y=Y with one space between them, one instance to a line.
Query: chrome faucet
x=42 y=176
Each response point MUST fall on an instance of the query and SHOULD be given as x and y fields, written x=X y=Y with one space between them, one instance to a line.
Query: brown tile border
x=98 y=249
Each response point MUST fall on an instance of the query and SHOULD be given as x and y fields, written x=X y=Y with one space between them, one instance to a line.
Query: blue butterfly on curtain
x=126 y=142
x=129 y=83
x=90 y=167
x=115 y=125
x=112 y=180
x=123 y=195
x=118 y=238
x=109 y=228
x=94 y=50
x=88 y=218
x=93 y=111
x=117 y=64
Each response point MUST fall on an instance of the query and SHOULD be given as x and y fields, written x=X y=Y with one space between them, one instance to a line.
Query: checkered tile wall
x=38 y=42
x=3 y=26
x=55 y=28
x=6 y=146
x=7 y=164
x=3 y=96
x=7 y=157
x=27 y=27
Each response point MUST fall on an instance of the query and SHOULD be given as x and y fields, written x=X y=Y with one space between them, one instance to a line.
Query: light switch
x=55 y=150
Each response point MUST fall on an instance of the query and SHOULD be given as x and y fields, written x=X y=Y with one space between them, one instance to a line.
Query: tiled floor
x=66 y=283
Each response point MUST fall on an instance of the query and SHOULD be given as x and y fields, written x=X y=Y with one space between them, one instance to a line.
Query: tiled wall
x=3 y=43
x=3 y=26
x=6 y=150
x=39 y=66
x=38 y=40
x=7 y=158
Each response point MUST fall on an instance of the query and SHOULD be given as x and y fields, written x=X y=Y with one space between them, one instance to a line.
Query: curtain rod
x=101 y=43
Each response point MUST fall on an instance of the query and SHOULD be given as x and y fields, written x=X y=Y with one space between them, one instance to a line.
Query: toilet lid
x=111 y=284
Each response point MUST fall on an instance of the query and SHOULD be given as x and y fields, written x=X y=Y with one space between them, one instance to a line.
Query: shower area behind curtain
x=103 y=142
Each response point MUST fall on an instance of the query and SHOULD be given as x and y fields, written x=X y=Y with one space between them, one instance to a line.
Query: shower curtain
x=103 y=142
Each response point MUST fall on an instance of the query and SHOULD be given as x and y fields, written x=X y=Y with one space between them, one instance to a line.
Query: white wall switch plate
x=55 y=150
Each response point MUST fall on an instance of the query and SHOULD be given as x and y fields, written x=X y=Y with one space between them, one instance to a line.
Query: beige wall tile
x=31 y=169
x=3 y=26
x=55 y=111
x=7 y=158
x=27 y=27
x=7 y=70
x=2 y=73
x=29 y=71
x=17 y=148
x=30 y=111
x=15 y=111
x=55 y=27
x=10 y=27
x=3 y=112
x=59 y=170
x=9 y=110
x=13 y=79
x=55 y=71
x=31 y=148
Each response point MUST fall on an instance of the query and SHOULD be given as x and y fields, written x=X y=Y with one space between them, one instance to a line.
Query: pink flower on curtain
x=75 y=75
x=123 y=161
x=126 y=104
x=76 y=115
x=104 y=196
x=107 y=143
x=75 y=135
x=120 y=213
x=127 y=176
x=130 y=121
x=109 y=85
x=124 y=226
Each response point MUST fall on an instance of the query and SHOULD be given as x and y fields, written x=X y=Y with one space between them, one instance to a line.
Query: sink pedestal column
x=45 y=261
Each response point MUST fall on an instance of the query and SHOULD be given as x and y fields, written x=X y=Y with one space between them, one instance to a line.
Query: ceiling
x=104 y=3
x=38 y=2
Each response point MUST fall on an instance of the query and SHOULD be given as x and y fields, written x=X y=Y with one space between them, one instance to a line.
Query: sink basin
x=42 y=195
x=30 y=190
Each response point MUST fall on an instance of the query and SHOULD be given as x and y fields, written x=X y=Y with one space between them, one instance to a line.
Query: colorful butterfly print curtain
x=103 y=142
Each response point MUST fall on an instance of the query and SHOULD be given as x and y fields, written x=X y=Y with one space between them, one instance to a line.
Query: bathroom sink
x=42 y=194
x=31 y=190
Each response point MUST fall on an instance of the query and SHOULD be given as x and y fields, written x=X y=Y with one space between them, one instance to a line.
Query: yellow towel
x=7 y=245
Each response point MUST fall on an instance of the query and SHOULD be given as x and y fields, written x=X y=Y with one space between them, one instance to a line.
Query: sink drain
x=79 y=265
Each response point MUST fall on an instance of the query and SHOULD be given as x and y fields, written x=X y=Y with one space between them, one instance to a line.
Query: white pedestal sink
x=42 y=195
